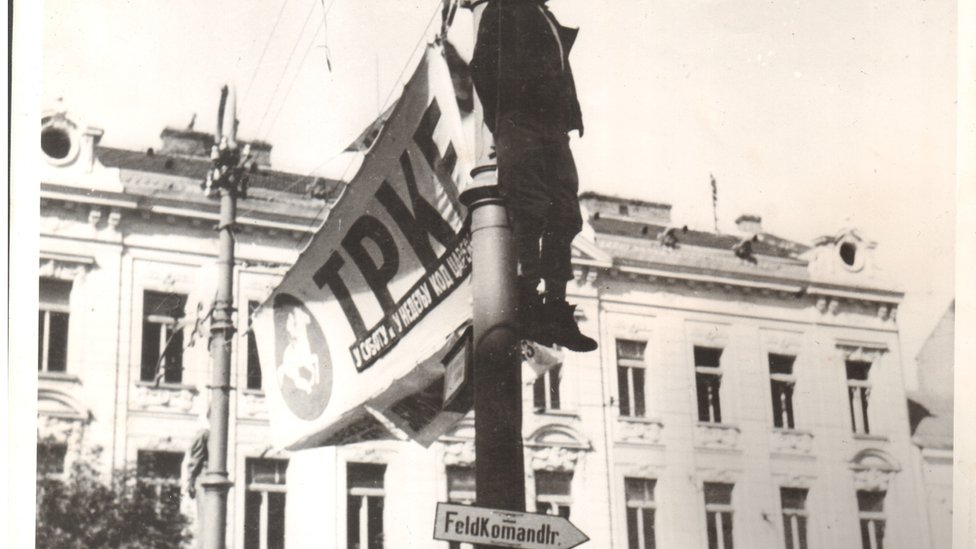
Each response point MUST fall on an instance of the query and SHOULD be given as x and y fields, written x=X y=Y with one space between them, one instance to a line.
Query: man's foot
x=559 y=328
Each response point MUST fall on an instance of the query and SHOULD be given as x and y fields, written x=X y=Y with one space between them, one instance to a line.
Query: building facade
x=748 y=390
x=127 y=275
x=931 y=416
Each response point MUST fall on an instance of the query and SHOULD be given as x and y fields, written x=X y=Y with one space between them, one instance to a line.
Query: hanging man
x=194 y=464
x=521 y=71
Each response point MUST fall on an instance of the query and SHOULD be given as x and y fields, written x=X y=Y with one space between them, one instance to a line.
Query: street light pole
x=228 y=179
x=499 y=458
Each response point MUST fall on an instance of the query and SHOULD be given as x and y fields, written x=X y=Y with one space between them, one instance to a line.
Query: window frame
x=786 y=383
x=724 y=514
x=252 y=351
x=460 y=497
x=62 y=449
x=265 y=491
x=158 y=484
x=546 y=390
x=50 y=303
x=709 y=377
x=551 y=503
x=168 y=326
x=868 y=521
x=628 y=404
x=859 y=392
x=796 y=520
x=648 y=504
x=366 y=494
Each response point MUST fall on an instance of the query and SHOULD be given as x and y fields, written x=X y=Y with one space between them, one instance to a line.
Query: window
x=52 y=325
x=870 y=507
x=253 y=362
x=858 y=391
x=794 y=503
x=460 y=489
x=159 y=478
x=708 y=380
x=364 y=524
x=162 y=336
x=718 y=514
x=264 y=504
x=622 y=209
x=50 y=458
x=552 y=493
x=630 y=377
x=781 y=382
x=640 y=513
x=545 y=390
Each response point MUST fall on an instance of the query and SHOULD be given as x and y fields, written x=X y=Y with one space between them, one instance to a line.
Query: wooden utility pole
x=499 y=461
x=227 y=178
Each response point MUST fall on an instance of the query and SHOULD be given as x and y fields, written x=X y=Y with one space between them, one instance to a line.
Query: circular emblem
x=302 y=360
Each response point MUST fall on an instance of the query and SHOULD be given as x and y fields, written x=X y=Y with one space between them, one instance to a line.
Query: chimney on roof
x=195 y=144
x=749 y=224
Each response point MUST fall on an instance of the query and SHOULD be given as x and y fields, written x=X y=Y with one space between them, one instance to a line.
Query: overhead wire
x=396 y=83
x=284 y=100
x=264 y=50
x=295 y=75
x=284 y=71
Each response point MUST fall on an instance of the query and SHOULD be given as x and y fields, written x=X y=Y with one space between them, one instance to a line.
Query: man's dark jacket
x=518 y=69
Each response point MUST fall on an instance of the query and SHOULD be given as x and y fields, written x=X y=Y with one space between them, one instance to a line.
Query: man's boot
x=560 y=328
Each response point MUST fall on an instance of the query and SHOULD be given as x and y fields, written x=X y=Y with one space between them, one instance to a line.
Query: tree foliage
x=80 y=510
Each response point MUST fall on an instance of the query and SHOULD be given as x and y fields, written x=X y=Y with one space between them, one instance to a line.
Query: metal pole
x=499 y=466
x=226 y=178
x=499 y=461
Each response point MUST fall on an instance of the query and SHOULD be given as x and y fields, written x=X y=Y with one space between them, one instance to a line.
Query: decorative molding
x=367 y=455
x=164 y=443
x=795 y=480
x=459 y=453
x=711 y=335
x=791 y=442
x=254 y=404
x=64 y=267
x=718 y=474
x=114 y=218
x=787 y=343
x=716 y=435
x=553 y=458
x=637 y=431
x=873 y=469
x=631 y=326
x=873 y=479
x=640 y=470
x=171 y=399
x=64 y=430
x=866 y=352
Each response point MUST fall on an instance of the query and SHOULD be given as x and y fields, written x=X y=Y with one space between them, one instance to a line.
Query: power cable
x=393 y=89
x=263 y=52
x=284 y=99
x=396 y=83
x=287 y=64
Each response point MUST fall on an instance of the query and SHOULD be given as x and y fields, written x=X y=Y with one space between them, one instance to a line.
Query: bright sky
x=816 y=115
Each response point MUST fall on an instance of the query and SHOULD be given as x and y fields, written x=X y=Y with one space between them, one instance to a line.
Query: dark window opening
x=848 y=253
x=253 y=361
x=162 y=336
x=56 y=143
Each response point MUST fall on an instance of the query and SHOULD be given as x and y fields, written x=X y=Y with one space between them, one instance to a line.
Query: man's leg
x=564 y=223
x=521 y=173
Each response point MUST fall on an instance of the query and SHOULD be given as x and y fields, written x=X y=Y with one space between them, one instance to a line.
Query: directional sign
x=504 y=528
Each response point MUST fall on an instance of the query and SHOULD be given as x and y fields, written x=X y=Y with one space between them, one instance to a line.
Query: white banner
x=363 y=319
